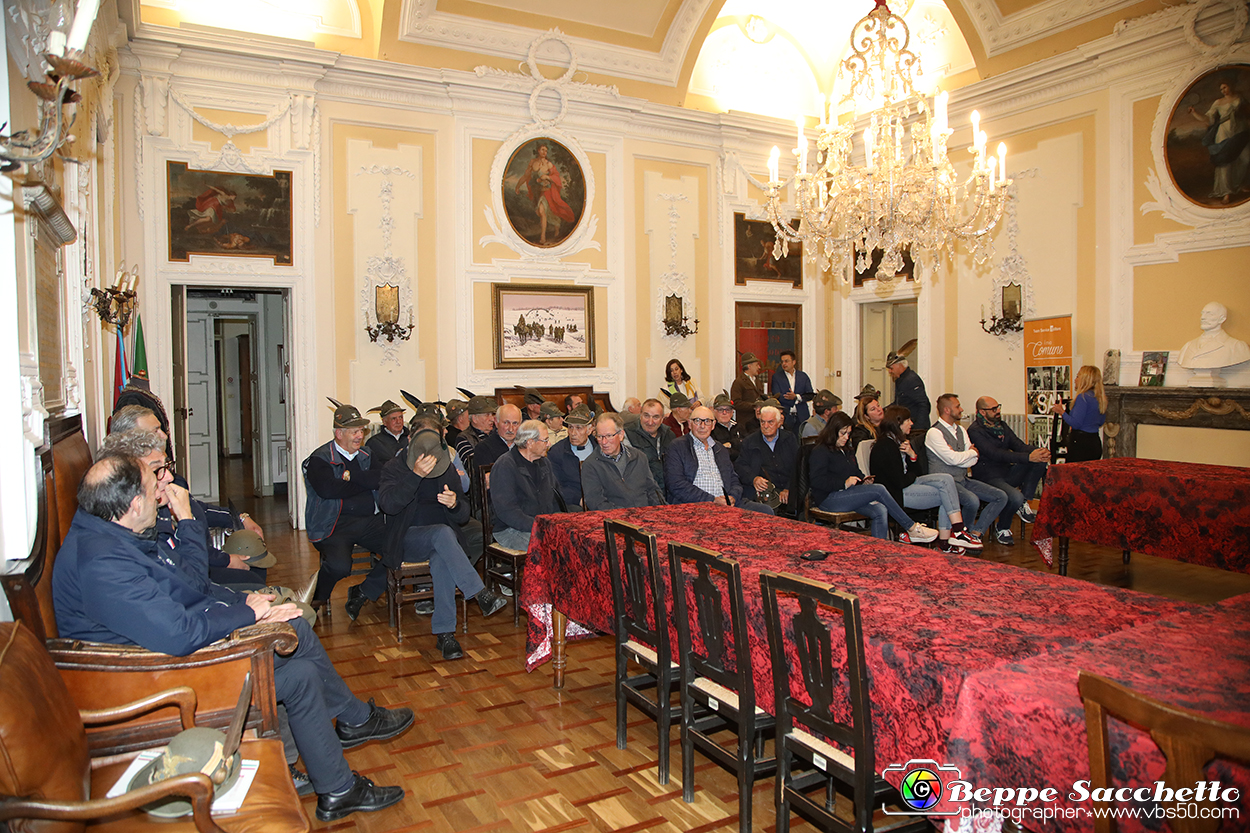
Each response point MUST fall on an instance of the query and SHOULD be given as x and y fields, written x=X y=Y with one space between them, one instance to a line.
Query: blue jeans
x=1020 y=484
x=872 y=500
x=449 y=567
x=930 y=490
x=992 y=497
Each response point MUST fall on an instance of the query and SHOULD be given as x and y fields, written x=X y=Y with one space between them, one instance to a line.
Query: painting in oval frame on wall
x=1207 y=140
x=544 y=192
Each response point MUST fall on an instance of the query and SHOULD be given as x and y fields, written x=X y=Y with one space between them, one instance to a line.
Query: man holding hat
x=825 y=405
x=339 y=511
x=392 y=437
x=421 y=492
x=726 y=430
x=909 y=392
x=793 y=389
x=568 y=454
x=554 y=417
x=746 y=389
x=678 y=419
x=481 y=423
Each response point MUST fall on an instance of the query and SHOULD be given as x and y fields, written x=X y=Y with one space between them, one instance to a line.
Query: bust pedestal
x=1206 y=377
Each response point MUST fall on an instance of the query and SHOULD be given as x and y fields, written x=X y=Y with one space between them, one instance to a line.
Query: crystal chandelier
x=906 y=195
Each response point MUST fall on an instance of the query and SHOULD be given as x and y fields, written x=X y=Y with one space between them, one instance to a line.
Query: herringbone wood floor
x=496 y=749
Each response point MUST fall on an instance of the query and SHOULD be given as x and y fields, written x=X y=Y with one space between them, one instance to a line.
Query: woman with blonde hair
x=868 y=415
x=1086 y=416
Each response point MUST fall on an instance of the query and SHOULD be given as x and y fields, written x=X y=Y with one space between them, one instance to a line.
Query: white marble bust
x=1214 y=349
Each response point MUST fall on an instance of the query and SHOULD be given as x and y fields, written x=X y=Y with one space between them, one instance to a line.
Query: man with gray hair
x=909 y=392
x=522 y=486
x=497 y=443
x=617 y=476
x=769 y=460
x=631 y=410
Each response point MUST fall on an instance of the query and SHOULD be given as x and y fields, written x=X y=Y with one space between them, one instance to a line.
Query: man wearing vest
x=951 y=452
x=340 y=511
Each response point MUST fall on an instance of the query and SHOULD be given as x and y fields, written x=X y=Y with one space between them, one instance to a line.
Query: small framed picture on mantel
x=1154 y=366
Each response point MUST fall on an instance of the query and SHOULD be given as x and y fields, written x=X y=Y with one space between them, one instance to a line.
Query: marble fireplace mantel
x=1129 y=407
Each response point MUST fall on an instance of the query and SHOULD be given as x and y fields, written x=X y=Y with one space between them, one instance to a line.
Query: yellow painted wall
x=1146 y=226
x=245 y=142
x=1194 y=445
x=1168 y=297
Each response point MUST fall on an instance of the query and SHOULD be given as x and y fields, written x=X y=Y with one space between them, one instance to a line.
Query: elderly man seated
x=115 y=581
x=769 y=461
x=697 y=468
x=522 y=486
x=567 y=455
x=617 y=476
x=1007 y=463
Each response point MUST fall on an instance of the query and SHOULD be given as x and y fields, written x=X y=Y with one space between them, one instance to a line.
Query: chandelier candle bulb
x=1002 y=163
x=81 y=29
x=993 y=167
x=868 y=147
x=773 y=157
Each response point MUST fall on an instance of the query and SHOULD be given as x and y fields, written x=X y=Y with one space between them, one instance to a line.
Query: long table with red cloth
x=1185 y=511
x=1022 y=724
x=930 y=620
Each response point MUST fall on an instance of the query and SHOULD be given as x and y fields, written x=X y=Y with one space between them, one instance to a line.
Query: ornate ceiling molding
x=1001 y=33
x=422 y=23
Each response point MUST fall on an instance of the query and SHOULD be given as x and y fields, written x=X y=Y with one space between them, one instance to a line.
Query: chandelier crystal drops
x=906 y=195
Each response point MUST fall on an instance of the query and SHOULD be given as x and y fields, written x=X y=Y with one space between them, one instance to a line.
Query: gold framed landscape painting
x=1208 y=138
x=543 y=326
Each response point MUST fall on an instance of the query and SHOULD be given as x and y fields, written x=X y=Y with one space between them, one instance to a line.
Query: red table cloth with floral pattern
x=1185 y=511
x=929 y=619
x=1022 y=724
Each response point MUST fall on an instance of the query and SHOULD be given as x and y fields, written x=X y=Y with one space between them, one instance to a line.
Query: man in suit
x=770 y=457
x=744 y=392
x=794 y=390
x=115 y=582
x=392 y=437
x=697 y=468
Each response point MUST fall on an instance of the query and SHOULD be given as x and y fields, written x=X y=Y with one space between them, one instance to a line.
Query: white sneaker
x=921 y=534
x=1027 y=514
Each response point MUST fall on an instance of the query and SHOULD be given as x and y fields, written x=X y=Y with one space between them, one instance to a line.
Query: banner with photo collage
x=1047 y=372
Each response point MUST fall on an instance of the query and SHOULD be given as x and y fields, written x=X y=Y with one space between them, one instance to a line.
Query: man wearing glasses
x=522 y=486
x=697 y=468
x=617 y=476
x=1007 y=463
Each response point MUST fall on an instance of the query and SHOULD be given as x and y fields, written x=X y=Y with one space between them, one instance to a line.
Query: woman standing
x=1088 y=413
x=677 y=380
x=839 y=486
x=896 y=465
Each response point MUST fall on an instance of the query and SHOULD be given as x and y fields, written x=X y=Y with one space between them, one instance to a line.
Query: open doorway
x=231 y=431
x=885 y=326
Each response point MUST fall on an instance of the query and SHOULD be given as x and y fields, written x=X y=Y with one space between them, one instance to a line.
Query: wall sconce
x=38 y=34
x=1011 y=320
x=40 y=199
x=116 y=304
x=386 y=307
x=674 y=320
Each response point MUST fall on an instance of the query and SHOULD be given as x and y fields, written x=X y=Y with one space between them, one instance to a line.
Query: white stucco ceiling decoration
x=297 y=19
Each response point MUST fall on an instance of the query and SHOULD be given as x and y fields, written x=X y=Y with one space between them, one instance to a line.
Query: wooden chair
x=362 y=563
x=501 y=566
x=1188 y=741
x=412 y=581
x=635 y=600
x=716 y=674
x=49 y=772
x=98 y=674
x=804 y=488
x=811 y=771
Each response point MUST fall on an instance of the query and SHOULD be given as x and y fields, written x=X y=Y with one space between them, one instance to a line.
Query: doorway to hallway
x=884 y=326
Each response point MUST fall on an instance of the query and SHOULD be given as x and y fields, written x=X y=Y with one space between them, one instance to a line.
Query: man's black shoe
x=424 y=607
x=446 y=642
x=381 y=725
x=303 y=784
x=355 y=601
x=490 y=603
x=363 y=797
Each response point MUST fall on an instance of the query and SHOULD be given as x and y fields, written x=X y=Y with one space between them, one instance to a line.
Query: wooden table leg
x=558 y=659
x=1127 y=555
x=1063 y=555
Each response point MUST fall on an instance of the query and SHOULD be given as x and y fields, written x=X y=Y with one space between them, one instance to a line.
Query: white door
x=202 y=408
x=294 y=477
x=178 y=416
x=876 y=325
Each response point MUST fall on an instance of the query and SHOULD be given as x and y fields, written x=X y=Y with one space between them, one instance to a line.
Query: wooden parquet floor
x=497 y=749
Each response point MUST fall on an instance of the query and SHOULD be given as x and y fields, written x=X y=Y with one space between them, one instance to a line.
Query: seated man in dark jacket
x=697 y=468
x=1007 y=463
x=617 y=476
x=115 y=581
x=727 y=431
x=769 y=456
x=522 y=487
x=567 y=456
x=421 y=494
x=652 y=437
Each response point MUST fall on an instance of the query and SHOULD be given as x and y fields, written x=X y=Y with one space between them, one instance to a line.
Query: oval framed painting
x=544 y=192
x=1207 y=141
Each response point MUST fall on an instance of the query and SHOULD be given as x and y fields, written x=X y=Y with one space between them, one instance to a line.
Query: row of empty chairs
x=820 y=743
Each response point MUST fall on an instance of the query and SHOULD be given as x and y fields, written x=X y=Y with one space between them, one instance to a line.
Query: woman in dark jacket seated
x=895 y=465
x=839 y=486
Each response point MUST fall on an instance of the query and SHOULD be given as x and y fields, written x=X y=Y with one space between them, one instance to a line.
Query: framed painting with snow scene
x=543 y=326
